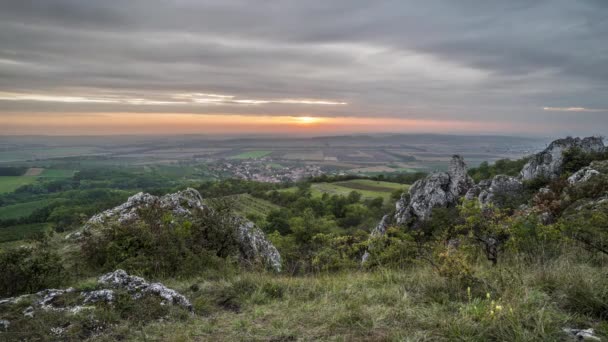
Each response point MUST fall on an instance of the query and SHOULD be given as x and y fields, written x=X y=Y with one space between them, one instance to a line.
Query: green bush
x=160 y=245
x=29 y=269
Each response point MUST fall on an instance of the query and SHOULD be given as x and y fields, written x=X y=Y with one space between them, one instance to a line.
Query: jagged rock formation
x=548 y=163
x=498 y=191
x=55 y=299
x=440 y=189
x=183 y=204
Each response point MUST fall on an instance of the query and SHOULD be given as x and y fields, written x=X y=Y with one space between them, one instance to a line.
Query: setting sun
x=307 y=120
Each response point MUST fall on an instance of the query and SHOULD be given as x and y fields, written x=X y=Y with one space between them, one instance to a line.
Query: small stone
x=582 y=334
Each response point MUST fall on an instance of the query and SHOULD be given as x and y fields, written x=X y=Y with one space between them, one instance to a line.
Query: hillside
x=515 y=257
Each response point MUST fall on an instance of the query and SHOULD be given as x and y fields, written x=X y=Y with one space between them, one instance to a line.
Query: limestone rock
x=137 y=286
x=440 y=189
x=106 y=296
x=255 y=246
x=54 y=299
x=181 y=203
x=582 y=334
x=549 y=163
x=582 y=175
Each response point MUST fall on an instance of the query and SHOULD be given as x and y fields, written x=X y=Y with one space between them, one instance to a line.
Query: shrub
x=29 y=269
x=160 y=245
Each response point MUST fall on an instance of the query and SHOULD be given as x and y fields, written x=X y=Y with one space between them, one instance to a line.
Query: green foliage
x=30 y=268
x=160 y=245
x=500 y=167
x=533 y=240
x=396 y=249
x=488 y=227
x=574 y=159
x=588 y=226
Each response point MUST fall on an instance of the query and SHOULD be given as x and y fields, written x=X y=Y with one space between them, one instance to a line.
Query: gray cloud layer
x=469 y=60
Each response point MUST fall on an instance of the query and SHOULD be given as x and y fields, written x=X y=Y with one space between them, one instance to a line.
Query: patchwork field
x=251 y=154
x=369 y=189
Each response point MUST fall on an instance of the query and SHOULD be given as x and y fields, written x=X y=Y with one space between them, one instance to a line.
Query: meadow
x=514 y=303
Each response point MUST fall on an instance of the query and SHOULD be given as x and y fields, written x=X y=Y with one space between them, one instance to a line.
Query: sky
x=517 y=67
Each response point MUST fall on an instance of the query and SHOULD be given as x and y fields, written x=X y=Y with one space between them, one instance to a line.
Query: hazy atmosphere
x=307 y=67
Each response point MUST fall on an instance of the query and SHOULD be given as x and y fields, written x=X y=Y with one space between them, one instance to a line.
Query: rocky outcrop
x=108 y=284
x=582 y=175
x=549 y=163
x=440 y=189
x=183 y=204
x=138 y=287
x=499 y=191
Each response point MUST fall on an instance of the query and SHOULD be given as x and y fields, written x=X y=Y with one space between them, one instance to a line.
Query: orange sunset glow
x=137 y=123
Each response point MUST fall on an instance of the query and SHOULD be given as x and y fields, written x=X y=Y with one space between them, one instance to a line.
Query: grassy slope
x=411 y=305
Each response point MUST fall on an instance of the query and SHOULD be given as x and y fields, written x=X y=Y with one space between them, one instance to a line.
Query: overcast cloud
x=531 y=61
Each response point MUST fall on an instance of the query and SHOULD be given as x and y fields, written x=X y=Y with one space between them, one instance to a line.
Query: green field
x=246 y=204
x=368 y=188
x=10 y=183
x=251 y=154
x=57 y=173
x=46 y=153
x=22 y=231
x=21 y=210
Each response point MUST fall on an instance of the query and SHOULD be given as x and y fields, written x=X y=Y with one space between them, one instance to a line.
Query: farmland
x=246 y=204
x=10 y=183
x=368 y=189
x=251 y=154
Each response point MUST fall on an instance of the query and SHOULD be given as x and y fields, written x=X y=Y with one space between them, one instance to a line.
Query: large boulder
x=253 y=244
x=440 y=189
x=549 y=163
